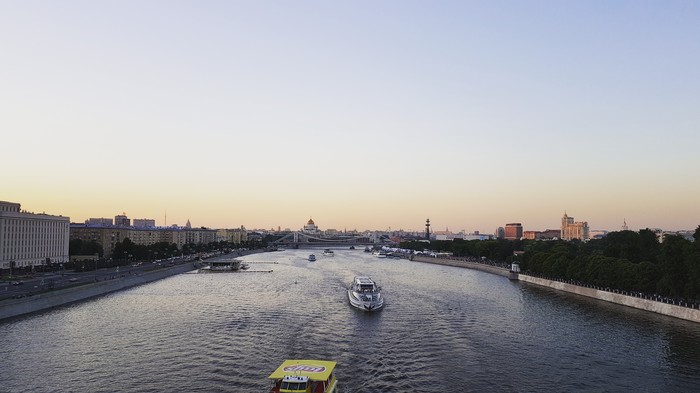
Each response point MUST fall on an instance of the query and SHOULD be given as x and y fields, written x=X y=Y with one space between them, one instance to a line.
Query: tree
x=81 y=247
x=674 y=279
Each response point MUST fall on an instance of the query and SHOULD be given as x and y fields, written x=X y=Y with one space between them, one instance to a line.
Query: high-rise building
x=99 y=221
x=122 y=220
x=514 y=231
x=144 y=223
x=28 y=239
x=571 y=230
x=500 y=233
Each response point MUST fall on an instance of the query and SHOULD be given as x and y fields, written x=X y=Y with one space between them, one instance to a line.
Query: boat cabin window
x=293 y=386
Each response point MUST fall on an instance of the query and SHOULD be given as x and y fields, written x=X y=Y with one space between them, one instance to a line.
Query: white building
x=29 y=239
x=310 y=228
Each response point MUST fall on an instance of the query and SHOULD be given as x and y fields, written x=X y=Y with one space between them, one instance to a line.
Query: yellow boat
x=304 y=376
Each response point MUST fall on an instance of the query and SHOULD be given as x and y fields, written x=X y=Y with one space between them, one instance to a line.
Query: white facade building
x=29 y=239
x=311 y=228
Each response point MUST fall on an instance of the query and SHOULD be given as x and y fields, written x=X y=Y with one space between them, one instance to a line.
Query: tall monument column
x=427 y=229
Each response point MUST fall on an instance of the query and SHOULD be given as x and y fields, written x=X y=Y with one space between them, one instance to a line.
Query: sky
x=358 y=114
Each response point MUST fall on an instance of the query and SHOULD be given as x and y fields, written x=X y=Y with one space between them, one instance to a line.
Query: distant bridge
x=301 y=239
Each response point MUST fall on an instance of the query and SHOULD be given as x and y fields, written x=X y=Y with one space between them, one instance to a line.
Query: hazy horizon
x=361 y=115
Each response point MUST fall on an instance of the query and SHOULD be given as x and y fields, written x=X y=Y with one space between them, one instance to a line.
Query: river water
x=443 y=329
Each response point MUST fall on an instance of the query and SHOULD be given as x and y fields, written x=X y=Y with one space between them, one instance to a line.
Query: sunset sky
x=359 y=114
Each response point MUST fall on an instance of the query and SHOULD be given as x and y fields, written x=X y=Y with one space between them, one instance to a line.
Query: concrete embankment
x=471 y=265
x=688 y=314
x=43 y=301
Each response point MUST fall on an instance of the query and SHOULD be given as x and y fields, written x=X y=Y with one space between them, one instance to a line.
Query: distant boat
x=367 y=249
x=328 y=253
x=352 y=247
x=379 y=253
x=312 y=258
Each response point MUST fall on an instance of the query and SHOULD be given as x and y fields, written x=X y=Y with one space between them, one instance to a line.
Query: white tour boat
x=365 y=294
x=328 y=253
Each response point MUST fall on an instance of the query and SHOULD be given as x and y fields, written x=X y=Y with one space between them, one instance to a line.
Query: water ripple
x=444 y=329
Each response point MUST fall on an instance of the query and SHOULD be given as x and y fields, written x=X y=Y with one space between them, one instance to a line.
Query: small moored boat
x=304 y=376
x=312 y=258
x=230 y=265
x=379 y=253
x=365 y=294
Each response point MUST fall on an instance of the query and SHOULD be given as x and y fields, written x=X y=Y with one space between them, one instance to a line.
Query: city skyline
x=265 y=114
x=433 y=229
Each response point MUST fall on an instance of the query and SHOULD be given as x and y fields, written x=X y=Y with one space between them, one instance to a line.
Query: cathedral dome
x=311 y=222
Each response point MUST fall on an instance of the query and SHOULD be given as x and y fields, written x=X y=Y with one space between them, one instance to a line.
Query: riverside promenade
x=630 y=300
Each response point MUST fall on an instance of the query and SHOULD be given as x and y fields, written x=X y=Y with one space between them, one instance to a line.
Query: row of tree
x=127 y=251
x=496 y=250
x=626 y=260
x=631 y=261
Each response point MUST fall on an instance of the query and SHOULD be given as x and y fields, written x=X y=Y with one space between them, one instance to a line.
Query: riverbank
x=11 y=308
x=462 y=263
x=672 y=310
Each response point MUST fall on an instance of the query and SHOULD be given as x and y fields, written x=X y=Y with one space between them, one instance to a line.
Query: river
x=443 y=329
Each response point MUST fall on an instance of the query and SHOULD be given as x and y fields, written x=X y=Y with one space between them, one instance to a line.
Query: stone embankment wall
x=455 y=262
x=44 y=301
x=689 y=314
